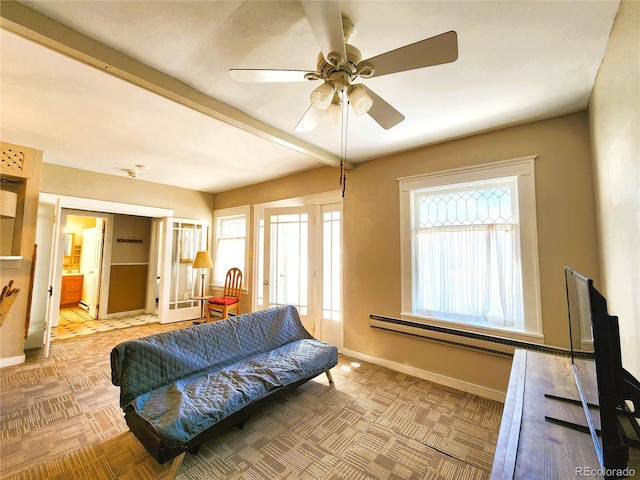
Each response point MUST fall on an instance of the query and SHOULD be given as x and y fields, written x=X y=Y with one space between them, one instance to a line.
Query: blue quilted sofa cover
x=184 y=381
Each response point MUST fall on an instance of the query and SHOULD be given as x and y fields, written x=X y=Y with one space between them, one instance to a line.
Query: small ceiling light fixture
x=360 y=100
x=322 y=96
x=135 y=172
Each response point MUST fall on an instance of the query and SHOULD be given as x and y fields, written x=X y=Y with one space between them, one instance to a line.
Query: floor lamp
x=203 y=263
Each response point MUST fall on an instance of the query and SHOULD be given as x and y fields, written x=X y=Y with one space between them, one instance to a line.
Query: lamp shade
x=203 y=260
x=321 y=97
x=360 y=100
x=8 y=203
x=333 y=114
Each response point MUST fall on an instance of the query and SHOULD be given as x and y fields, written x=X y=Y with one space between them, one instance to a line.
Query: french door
x=301 y=265
x=288 y=260
x=178 y=280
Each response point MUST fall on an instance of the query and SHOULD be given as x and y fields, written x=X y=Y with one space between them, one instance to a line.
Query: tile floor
x=75 y=321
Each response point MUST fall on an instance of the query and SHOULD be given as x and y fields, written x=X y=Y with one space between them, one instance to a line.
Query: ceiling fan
x=340 y=64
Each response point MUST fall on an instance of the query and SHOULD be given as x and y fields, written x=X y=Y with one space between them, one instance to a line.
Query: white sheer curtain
x=230 y=247
x=468 y=273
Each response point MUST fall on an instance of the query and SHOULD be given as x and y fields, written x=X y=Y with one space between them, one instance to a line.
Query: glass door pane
x=178 y=284
x=330 y=327
x=287 y=267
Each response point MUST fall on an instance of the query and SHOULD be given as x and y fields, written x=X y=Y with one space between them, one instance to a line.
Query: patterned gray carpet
x=60 y=420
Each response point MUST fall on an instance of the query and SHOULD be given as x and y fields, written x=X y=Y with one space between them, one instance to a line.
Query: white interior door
x=156 y=253
x=178 y=281
x=53 y=301
x=90 y=266
x=288 y=261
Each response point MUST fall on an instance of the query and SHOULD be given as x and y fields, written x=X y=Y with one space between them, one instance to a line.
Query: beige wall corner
x=371 y=255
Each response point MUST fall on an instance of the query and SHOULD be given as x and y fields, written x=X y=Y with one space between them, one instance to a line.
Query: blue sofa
x=180 y=388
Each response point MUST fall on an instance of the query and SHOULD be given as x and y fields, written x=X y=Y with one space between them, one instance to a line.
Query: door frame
x=52 y=309
x=105 y=268
x=86 y=205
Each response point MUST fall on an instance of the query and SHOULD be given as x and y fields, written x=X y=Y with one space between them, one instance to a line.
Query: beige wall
x=566 y=235
x=129 y=227
x=307 y=183
x=614 y=112
x=80 y=183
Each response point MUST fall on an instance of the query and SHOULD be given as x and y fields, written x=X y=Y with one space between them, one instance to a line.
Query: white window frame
x=244 y=210
x=523 y=169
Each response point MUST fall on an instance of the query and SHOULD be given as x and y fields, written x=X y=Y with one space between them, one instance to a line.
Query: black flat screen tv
x=594 y=333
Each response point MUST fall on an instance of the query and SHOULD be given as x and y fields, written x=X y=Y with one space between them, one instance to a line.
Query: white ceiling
x=518 y=62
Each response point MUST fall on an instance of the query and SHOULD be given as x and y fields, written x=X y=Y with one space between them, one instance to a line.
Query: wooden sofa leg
x=329 y=376
x=175 y=466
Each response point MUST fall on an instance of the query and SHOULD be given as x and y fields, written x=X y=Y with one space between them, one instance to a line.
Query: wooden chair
x=230 y=298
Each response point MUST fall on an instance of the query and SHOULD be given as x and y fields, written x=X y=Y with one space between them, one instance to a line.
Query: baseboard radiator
x=500 y=346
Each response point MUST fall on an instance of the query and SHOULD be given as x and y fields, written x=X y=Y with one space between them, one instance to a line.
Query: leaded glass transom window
x=467 y=207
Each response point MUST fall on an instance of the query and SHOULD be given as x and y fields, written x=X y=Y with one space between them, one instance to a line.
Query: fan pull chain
x=343 y=143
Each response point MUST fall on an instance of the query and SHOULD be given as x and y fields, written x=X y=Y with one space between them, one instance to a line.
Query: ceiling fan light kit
x=339 y=64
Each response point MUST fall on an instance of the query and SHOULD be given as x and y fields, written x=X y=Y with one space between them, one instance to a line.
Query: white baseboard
x=5 y=362
x=479 y=390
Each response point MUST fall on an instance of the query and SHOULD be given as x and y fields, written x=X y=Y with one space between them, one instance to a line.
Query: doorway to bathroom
x=82 y=261
x=105 y=273
x=80 y=278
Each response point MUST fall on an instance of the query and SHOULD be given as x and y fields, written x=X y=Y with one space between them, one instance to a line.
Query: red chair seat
x=223 y=301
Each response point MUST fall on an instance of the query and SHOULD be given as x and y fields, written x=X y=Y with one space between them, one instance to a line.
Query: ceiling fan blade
x=426 y=53
x=384 y=114
x=326 y=22
x=246 y=75
x=309 y=120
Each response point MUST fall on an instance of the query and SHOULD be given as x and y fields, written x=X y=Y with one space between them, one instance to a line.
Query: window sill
x=493 y=331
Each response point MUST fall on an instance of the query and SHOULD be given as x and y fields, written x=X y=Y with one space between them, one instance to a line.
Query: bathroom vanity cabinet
x=71 y=293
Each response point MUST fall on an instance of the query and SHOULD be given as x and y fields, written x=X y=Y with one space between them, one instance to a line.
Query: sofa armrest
x=115 y=367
